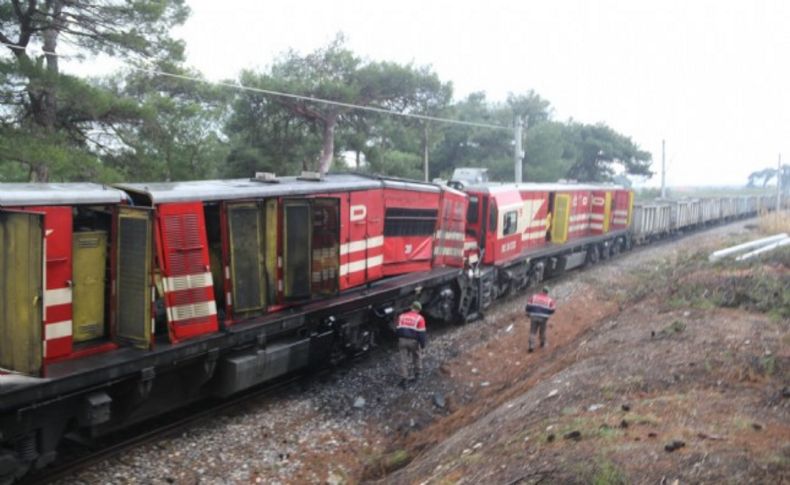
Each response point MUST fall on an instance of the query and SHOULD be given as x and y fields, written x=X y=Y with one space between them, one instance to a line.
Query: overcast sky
x=711 y=77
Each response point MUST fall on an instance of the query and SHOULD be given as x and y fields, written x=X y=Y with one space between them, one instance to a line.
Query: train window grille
x=410 y=222
x=509 y=223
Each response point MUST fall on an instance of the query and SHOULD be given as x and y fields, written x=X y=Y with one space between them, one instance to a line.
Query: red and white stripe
x=536 y=229
x=579 y=222
x=449 y=243
x=181 y=292
x=359 y=255
x=57 y=321
x=620 y=217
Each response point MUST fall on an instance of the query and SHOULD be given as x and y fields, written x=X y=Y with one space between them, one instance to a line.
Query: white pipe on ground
x=721 y=253
x=765 y=249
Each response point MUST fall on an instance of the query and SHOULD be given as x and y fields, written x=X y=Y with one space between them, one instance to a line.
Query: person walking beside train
x=540 y=307
x=411 y=342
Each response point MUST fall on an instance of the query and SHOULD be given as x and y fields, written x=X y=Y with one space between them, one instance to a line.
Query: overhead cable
x=282 y=94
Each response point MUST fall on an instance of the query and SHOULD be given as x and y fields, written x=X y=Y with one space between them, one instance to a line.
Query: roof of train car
x=216 y=190
x=27 y=194
x=493 y=188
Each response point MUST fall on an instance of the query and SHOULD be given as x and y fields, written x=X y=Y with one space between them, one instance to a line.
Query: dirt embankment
x=661 y=368
x=654 y=349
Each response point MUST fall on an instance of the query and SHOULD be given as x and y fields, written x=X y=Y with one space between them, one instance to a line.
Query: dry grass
x=774 y=222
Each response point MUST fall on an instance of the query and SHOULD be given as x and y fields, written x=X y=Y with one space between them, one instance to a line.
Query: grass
x=607 y=473
x=759 y=285
x=774 y=223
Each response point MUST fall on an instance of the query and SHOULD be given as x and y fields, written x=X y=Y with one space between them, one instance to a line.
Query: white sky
x=709 y=76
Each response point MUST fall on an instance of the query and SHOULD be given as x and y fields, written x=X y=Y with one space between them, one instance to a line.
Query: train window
x=409 y=222
x=492 y=217
x=472 y=210
x=509 y=223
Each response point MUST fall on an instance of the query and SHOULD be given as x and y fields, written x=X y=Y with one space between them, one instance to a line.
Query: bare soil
x=638 y=362
x=626 y=377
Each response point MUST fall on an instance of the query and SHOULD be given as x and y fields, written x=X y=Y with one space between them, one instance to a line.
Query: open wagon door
x=186 y=272
x=311 y=247
x=246 y=244
x=297 y=239
x=21 y=284
x=132 y=276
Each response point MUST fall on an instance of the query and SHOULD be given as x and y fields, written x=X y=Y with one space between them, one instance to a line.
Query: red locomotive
x=120 y=303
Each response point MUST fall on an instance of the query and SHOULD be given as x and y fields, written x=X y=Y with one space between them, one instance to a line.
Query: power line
x=292 y=95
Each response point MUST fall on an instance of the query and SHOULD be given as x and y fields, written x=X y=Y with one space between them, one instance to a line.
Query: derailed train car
x=121 y=303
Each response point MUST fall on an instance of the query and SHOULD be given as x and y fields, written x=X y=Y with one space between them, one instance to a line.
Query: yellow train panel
x=560 y=219
x=90 y=259
x=21 y=285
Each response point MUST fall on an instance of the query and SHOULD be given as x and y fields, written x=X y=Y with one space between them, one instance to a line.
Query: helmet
x=416 y=306
x=546 y=289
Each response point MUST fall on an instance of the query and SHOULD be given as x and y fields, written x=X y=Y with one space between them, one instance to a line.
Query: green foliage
x=179 y=132
x=63 y=126
x=597 y=148
x=309 y=135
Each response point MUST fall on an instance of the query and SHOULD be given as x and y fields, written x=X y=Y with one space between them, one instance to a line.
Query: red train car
x=67 y=245
x=242 y=248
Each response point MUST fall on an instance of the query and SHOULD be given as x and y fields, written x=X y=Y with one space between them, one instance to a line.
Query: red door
x=186 y=274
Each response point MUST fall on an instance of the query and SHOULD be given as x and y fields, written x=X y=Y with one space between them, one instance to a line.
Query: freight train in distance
x=121 y=303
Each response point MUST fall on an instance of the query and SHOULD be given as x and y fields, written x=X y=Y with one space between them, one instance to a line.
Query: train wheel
x=593 y=256
x=605 y=250
x=616 y=247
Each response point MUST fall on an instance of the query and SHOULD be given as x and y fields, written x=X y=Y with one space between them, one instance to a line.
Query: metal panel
x=559 y=223
x=325 y=246
x=297 y=239
x=26 y=194
x=21 y=284
x=188 y=284
x=133 y=276
x=245 y=231
x=270 y=251
x=89 y=269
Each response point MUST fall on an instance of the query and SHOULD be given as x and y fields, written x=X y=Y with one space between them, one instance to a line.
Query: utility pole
x=663 y=170
x=425 y=151
x=779 y=184
x=518 y=152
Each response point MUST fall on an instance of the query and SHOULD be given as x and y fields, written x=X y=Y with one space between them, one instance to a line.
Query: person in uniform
x=411 y=342
x=540 y=307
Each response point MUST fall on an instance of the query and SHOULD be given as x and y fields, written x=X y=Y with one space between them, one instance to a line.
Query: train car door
x=186 y=272
x=311 y=247
x=560 y=219
x=325 y=246
x=21 y=287
x=246 y=243
x=297 y=242
x=132 y=318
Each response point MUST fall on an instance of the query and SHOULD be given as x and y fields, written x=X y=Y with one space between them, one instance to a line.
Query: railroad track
x=167 y=427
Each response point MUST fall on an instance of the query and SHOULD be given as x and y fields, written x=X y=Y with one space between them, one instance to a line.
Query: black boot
x=402 y=384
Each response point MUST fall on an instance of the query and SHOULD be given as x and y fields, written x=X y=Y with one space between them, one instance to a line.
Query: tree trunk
x=328 y=149
x=42 y=92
